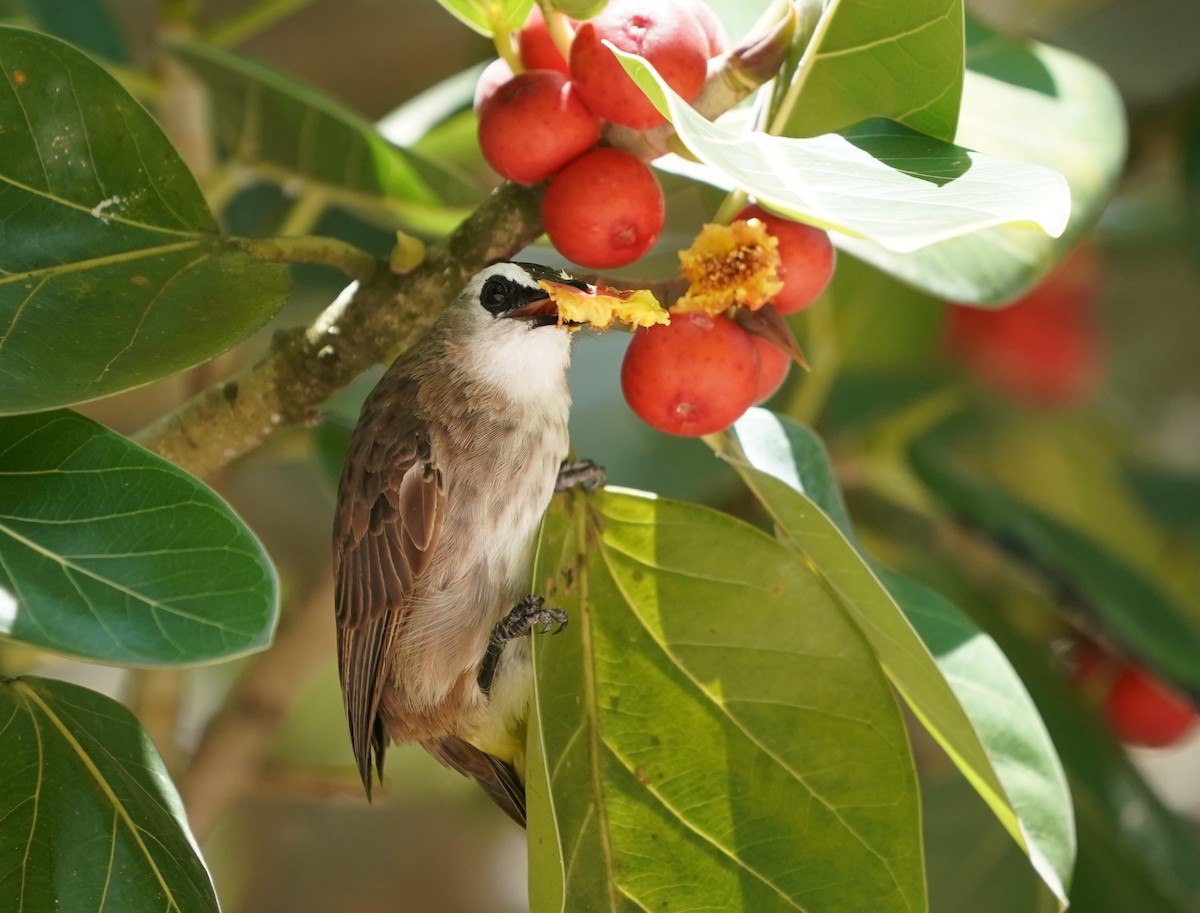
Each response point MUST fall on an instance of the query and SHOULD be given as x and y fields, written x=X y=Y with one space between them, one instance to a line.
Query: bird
x=452 y=463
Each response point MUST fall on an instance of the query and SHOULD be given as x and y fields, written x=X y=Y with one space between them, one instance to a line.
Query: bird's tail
x=498 y=778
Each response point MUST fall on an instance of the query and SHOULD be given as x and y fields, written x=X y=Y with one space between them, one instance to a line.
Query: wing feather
x=391 y=502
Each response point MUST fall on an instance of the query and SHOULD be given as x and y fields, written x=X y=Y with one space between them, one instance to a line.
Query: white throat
x=528 y=364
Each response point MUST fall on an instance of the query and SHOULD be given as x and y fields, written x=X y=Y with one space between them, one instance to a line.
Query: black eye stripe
x=497 y=295
x=500 y=295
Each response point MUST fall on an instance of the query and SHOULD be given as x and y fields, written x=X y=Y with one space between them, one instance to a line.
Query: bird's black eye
x=496 y=295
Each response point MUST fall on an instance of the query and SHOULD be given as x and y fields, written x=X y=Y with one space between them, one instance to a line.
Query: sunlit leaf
x=710 y=728
x=881 y=181
x=954 y=677
x=1034 y=103
x=868 y=58
x=91 y=821
x=110 y=276
x=482 y=15
x=111 y=553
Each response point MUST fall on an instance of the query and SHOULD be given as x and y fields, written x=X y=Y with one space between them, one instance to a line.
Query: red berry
x=773 y=367
x=604 y=210
x=806 y=259
x=494 y=75
x=666 y=34
x=710 y=24
x=534 y=125
x=537 y=49
x=1140 y=710
x=694 y=376
x=1045 y=348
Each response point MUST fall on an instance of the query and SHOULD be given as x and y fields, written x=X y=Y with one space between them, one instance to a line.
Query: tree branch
x=369 y=323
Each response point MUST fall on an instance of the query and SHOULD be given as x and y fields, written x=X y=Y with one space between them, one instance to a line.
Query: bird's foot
x=522 y=619
x=585 y=473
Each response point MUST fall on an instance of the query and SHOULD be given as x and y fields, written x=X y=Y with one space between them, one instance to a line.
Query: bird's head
x=508 y=325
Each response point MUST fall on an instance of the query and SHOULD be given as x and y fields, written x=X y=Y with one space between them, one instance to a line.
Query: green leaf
x=903 y=61
x=1030 y=102
x=710 y=728
x=901 y=189
x=288 y=131
x=109 y=274
x=954 y=677
x=579 y=9
x=111 y=553
x=1172 y=497
x=1129 y=606
x=91 y=821
x=87 y=24
x=481 y=15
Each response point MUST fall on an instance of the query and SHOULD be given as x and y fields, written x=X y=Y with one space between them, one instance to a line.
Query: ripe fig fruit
x=535 y=124
x=694 y=376
x=1141 y=710
x=537 y=49
x=666 y=33
x=604 y=210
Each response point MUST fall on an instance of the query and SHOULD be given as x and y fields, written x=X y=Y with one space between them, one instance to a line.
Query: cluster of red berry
x=699 y=373
x=603 y=207
x=1138 y=708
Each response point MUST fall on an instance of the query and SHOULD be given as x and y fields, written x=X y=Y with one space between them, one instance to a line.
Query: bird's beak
x=541 y=309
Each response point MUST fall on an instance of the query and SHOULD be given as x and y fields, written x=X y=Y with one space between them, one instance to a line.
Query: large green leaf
x=109 y=274
x=710 y=731
x=1034 y=103
x=89 y=820
x=1135 y=611
x=876 y=58
x=954 y=677
x=883 y=182
x=111 y=553
x=289 y=131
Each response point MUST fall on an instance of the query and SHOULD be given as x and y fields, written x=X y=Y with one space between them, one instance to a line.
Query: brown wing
x=389 y=515
x=498 y=779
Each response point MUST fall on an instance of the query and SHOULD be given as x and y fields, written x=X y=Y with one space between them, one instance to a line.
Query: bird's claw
x=579 y=473
x=522 y=619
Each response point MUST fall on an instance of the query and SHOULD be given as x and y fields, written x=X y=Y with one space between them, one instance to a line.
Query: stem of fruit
x=502 y=37
x=731 y=206
x=250 y=22
x=559 y=28
x=820 y=15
